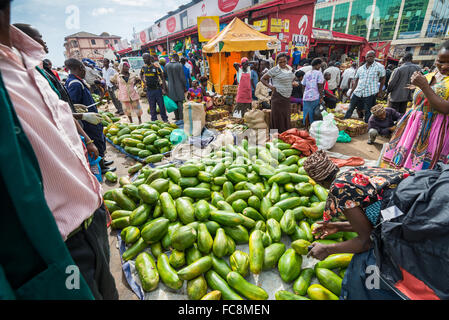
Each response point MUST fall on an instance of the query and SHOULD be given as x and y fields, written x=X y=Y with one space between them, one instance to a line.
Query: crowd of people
x=51 y=145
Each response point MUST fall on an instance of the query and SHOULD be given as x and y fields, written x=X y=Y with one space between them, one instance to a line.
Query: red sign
x=227 y=5
x=171 y=24
x=143 y=37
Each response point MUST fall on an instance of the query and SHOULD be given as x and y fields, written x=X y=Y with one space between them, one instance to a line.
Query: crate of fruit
x=355 y=127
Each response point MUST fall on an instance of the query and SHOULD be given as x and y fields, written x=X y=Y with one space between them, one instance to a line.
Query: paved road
x=357 y=147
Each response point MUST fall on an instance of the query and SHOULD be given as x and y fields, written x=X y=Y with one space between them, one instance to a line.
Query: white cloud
x=102 y=11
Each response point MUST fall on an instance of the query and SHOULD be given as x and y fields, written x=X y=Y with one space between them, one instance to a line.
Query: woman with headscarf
x=420 y=139
x=128 y=95
x=282 y=86
x=244 y=92
x=353 y=204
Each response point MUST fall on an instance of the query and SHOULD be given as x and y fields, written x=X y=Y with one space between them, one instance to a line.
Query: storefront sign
x=276 y=25
x=261 y=25
x=286 y=25
x=300 y=40
x=208 y=27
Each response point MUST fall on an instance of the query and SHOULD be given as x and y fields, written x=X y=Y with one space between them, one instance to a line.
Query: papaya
x=289 y=265
x=272 y=254
x=168 y=275
x=318 y=292
x=334 y=261
x=130 y=234
x=288 y=222
x=239 y=261
x=274 y=229
x=197 y=288
x=139 y=215
x=202 y=210
x=301 y=246
x=329 y=280
x=287 y=295
x=205 y=240
x=213 y=295
x=183 y=238
x=195 y=269
x=155 y=230
x=247 y=289
x=185 y=211
x=177 y=259
x=216 y=282
x=219 y=246
x=193 y=254
x=256 y=252
x=303 y=282
x=147 y=271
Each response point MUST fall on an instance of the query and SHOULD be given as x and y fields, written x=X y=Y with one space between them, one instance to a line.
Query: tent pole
x=219 y=78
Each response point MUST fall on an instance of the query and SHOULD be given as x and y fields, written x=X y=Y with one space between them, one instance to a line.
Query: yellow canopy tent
x=235 y=41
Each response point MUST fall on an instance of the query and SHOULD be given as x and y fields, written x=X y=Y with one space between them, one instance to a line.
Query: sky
x=56 y=19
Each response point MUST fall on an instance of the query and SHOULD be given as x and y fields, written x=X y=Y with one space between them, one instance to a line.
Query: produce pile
x=201 y=210
x=148 y=141
x=216 y=114
x=108 y=118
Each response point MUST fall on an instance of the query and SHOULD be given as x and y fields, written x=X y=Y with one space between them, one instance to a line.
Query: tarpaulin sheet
x=269 y=280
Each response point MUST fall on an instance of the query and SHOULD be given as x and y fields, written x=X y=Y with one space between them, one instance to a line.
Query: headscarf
x=244 y=59
x=319 y=167
x=377 y=110
x=121 y=65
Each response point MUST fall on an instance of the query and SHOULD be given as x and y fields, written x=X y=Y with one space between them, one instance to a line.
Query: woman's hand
x=325 y=229
x=419 y=80
x=319 y=251
x=92 y=151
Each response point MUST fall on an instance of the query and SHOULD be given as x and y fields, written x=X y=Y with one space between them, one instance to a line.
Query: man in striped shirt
x=71 y=191
x=366 y=86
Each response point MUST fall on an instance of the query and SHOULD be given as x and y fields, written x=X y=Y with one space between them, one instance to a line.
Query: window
x=361 y=12
x=323 y=18
x=106 y=42
x=341 y=17
x=74 y=43
x=439 y=19
x=115 y=41
x=412 y=18
x=384 y=26
x=93 y=42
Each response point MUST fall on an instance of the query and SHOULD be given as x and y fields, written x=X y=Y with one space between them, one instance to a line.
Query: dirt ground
x=357 y=147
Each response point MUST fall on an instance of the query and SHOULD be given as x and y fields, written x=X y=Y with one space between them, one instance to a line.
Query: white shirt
x=189 y=66
x=306 y=69
x=346 y=78
x=335 y=77
x=91 y=75
x=108 y=74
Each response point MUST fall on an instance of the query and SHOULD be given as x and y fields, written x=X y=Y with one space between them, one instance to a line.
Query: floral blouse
x=361 y=187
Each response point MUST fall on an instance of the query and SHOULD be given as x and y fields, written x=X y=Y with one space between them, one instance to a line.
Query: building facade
x=88 y=45
x=416 y=26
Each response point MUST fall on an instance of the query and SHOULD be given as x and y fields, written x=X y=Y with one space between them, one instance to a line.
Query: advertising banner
x=208 y=27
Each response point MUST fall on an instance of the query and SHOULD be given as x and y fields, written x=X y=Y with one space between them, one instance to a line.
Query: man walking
x=346 y=81
x=366 y=86
x=155 y=85
x=399 y=81
x=296 y=55
x=80 y=94
x=176 y=84
x=108 y=73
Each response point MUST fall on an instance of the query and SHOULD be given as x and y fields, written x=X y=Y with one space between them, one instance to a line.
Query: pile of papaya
x=148 y=141
x=183 y=224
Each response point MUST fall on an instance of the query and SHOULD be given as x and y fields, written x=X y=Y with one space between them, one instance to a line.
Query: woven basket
x=341 y=125
x=357 y=130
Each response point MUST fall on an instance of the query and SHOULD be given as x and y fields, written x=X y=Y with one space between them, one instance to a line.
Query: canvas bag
x=194 y=118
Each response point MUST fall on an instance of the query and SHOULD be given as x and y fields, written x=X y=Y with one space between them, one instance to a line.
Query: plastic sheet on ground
x=368 y=163
x=269 y=280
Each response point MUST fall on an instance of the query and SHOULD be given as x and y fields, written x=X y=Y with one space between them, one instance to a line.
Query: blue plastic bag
x=94 y=164
x=170 y=105
x=177 y=136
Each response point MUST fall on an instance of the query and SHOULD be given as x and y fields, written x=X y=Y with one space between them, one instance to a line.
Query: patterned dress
x=421 y=138
x=362 y=187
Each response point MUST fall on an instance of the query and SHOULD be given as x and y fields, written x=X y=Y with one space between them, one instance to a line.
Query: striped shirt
x=282 y=80
x=369 y=79
x=72 y=192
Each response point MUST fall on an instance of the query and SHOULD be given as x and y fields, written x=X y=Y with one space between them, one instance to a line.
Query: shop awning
x=237 y=37
x=124 y=51
x=328 y=36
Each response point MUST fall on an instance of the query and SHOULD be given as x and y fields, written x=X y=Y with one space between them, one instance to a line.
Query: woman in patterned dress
x=353 y=205
x=421 y=138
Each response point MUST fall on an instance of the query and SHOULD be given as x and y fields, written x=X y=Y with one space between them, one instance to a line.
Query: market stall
x=229 y=46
